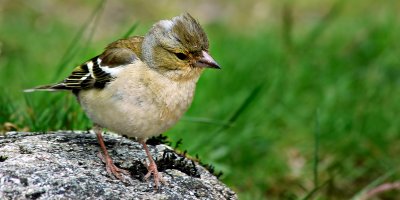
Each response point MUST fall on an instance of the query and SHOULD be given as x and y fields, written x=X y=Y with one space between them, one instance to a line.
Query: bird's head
x=178 y=48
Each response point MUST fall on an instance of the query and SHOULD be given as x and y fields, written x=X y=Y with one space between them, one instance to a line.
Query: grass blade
x=131 y=30
x=205 y=121
x=316 y=148
x=287 y=25
x=316 y=189
x=376 y=182
x=30 y=114
x=250 y=98
x=72 y=49
x=323 y=24
x=92 y=29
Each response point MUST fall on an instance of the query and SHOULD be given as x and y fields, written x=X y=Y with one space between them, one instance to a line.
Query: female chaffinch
x=141 y=86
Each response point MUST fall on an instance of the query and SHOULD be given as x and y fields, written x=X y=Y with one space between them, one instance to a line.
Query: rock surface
x=64 y=165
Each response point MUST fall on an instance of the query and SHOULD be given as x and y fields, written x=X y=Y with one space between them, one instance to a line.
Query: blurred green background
x=306 y=106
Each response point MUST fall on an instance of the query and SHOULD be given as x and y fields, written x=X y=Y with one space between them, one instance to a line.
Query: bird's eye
x=181 y=56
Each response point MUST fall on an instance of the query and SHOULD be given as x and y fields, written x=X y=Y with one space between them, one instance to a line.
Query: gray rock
x=64 y=165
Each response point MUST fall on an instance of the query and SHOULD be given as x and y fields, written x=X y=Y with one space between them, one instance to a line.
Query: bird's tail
x=51 y=88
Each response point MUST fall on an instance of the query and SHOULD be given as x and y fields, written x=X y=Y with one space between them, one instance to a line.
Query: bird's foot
x=113 y=170
x=152 y=169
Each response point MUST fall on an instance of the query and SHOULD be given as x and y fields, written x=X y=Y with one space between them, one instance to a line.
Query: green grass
x=299 y=110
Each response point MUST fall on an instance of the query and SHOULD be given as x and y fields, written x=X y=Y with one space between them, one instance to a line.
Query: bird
x=142 y=85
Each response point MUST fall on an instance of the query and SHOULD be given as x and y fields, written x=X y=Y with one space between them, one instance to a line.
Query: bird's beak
x=206 y=61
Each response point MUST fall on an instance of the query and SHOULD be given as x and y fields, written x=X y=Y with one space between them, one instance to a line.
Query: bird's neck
x=148 y=43
x=182 y=76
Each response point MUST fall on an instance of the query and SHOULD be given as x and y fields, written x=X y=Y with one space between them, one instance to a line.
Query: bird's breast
x=138 y=104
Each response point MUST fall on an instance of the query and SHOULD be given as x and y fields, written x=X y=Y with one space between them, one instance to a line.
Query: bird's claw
x=113 y=170
x=152 y=169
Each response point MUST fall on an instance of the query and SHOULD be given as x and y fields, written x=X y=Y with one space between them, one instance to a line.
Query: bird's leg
x=152 y=167
x=112 y=170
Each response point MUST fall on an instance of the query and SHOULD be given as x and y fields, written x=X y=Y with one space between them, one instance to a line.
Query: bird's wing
x=94 y=73
x=100 y=70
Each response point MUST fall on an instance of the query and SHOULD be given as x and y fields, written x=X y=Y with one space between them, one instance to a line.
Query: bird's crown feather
x=183 y=32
